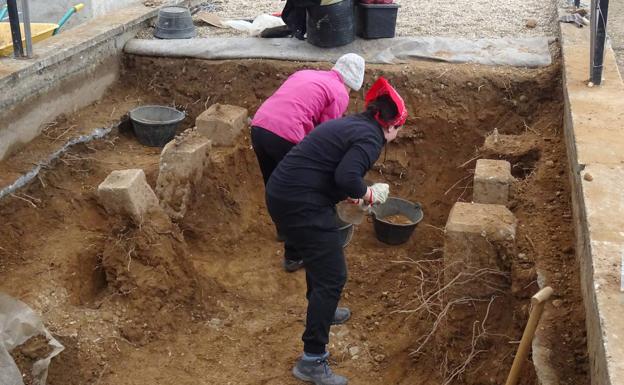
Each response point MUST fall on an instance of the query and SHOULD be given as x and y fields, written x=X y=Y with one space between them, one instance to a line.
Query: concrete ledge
x=69 y=71
x=594 y=129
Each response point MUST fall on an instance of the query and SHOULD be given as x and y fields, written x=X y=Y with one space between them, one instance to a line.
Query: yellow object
x=39 y=31
x=78 y=7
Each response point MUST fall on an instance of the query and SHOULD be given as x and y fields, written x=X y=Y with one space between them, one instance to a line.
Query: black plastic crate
x=375 y=21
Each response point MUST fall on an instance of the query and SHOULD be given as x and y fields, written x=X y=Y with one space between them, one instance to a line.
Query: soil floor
x=206 y=301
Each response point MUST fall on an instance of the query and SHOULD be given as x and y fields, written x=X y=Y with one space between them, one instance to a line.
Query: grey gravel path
x=458 y=18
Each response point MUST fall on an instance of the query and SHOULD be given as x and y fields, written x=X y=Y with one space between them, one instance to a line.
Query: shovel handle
x=537 y=301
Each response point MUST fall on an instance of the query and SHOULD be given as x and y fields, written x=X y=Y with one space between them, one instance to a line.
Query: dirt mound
x=149 y=267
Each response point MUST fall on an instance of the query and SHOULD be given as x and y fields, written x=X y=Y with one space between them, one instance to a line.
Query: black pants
x=294 y=15
x=313 y=231
x=270 y=149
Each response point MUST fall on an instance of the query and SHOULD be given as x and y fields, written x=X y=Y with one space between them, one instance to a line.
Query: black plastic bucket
x=375 y=21
x=346 y=231
x=331 y=25
x=393 y=233
x=174 y=22
x=155 y=126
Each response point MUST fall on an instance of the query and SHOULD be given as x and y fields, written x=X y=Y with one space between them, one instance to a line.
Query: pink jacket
x=305 y=100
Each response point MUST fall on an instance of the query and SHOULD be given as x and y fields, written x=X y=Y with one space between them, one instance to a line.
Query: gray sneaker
x=341 y=315
x=317 y=372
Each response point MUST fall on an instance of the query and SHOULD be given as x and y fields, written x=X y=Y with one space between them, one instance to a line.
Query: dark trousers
x=270 y=149
x=313 y=231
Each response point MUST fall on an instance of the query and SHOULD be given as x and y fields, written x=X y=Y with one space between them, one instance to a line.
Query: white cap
x=351 y=68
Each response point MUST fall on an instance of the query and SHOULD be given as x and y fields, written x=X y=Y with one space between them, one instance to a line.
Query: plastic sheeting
x=519 y=52
x=18 y=323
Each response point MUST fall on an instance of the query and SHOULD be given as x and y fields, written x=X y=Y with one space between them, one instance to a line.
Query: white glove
x=377 y=194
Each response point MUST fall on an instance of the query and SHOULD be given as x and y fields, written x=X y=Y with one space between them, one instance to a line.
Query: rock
x=557 y=303
x=531 y=23
x=222 y=123
x=491 y=182
x=354 y=351
x=588 y=177
x=126 y=192
x=550 y=163
x=523 y=98
x=379 y=357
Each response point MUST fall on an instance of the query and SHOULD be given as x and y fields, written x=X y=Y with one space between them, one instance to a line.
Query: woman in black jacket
x=328 y=166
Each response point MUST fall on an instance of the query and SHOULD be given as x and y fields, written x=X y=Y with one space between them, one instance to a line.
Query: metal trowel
x=350 y=213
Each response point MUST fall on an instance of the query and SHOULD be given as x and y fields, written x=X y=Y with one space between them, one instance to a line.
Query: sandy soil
x=207 y=302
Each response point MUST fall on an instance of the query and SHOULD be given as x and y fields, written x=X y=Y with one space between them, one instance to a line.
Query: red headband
x=383 y=87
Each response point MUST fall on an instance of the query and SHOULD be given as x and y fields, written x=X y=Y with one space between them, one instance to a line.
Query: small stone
x=379 y=357
x=550 y=163
x=523 y=98
x=557 y=303
x=354 y=351
x=531 y=23
x=522 y=256
x=588 y=177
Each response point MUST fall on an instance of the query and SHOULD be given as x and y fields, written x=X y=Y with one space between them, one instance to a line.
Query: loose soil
x=206 y=301
x=398 y=219
x=26 y=354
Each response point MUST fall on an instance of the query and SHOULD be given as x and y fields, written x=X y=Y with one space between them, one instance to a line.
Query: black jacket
x=330 y=163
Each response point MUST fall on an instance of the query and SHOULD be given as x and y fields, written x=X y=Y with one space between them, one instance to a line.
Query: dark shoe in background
x=276 y=32
x=317 y=372
x=292 y=265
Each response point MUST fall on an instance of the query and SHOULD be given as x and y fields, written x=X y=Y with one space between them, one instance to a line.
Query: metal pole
x=26 y=17
x=16 y=34
x=599 y=13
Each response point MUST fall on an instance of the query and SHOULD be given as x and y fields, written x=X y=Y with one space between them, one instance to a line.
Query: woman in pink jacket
x=305 y=100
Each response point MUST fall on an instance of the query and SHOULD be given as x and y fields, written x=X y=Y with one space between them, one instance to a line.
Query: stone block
x=491 y=182
x=182 y=163
x=479 y=245
x=126 y=192
x=221 y=123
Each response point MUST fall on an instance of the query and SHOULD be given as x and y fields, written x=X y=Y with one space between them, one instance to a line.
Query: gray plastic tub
x=175 y=22
x=155 y=126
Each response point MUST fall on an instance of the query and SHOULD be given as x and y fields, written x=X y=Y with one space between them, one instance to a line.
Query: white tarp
x=518 y=52
x=18 y=323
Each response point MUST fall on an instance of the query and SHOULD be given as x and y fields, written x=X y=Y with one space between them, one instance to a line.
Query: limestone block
x=491 y=182
x=182 y=163
x=478 y=237
x=221 y=123
x=126 y=192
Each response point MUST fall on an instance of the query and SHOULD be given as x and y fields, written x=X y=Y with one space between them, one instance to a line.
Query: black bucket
x=331 y=25
x=393 y=233
x=346 y=231
x=174 y=22
x=155 y=126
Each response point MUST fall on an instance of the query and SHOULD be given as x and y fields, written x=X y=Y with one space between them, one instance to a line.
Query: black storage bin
x=375 y=21
x=331 y=25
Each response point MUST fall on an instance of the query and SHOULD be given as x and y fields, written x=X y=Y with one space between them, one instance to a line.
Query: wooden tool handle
x=538 y=301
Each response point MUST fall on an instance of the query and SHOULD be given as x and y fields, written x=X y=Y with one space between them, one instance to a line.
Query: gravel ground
x=458 y=18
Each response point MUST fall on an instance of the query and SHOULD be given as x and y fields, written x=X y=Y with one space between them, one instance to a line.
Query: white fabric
x=351 y=67
x=380 y=192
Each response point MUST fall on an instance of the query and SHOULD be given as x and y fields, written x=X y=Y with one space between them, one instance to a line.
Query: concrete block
x=182 y=163
x=478 y=237
x=221 y=123
x=126 y=192
x=491 y=182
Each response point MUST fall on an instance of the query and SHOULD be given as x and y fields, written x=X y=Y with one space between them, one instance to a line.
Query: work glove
x=375 y=194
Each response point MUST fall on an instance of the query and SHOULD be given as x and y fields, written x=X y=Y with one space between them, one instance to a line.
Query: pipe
x=599 y=14
x=16 y=34
x=67 y=15
x=26 y=17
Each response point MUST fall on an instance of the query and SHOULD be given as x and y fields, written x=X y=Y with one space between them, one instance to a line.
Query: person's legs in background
x=270 y=149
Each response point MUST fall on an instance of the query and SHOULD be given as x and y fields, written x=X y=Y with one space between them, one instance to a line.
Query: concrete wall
x=594 y=129
x=51 y=11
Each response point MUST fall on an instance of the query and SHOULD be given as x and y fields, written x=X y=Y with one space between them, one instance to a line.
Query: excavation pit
x=130 y=310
